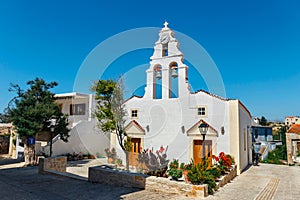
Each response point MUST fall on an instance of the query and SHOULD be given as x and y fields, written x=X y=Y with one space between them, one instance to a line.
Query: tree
x=111 y=111
x=31 y=112
x=263 y=121
x=4 y=118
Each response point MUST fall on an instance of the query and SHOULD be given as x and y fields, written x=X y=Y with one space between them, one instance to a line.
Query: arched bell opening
x=173 y=77
x=157 y=82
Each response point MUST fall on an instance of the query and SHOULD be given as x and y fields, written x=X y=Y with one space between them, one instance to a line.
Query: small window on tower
x=134 y=113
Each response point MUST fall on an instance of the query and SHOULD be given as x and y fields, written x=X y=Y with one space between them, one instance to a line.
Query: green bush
x=174 y=170
x=214 y=171
x=275 y=156
x=200 y=174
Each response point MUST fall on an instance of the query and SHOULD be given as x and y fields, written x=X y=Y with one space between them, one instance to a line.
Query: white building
x=292 y=120
x=170 y=116
x=85 y=136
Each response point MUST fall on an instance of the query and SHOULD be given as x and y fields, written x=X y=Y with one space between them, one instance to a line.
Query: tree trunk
x=29 y=153
x=127 y=160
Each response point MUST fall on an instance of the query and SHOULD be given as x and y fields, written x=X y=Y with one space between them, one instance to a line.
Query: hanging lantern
x=174 y=73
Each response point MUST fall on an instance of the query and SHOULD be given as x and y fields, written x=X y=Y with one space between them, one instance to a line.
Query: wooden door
x=133 y=155
x=198 y=150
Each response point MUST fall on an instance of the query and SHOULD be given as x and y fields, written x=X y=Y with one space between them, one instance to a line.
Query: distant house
x=7 y=138
x=262 y=133
x=292 y=120
x=293 y=144
x=85 y=136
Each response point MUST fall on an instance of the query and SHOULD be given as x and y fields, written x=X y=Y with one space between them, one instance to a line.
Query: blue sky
x=255 y=44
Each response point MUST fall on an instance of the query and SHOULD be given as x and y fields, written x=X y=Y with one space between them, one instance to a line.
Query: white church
x=169 y=114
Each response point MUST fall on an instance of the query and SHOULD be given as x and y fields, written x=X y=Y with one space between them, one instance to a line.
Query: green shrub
x=200 y=174
x=174 y=171
x=214 y=171
x=274 y=156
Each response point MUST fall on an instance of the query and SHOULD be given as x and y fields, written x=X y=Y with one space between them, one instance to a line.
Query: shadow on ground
x=26 y=183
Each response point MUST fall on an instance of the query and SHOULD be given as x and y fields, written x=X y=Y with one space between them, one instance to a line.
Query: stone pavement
x=26 y=183
x=263 y=182
x=81 y=167
x=258 y=182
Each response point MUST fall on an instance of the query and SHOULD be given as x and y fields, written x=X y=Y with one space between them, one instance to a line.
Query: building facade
x=85 y=137
x=292 y=120
x=169 y=114
x=262 y=133
x=293 y=144
x=7 y=139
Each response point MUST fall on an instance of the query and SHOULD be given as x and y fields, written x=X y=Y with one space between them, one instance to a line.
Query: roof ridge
x=213 y=95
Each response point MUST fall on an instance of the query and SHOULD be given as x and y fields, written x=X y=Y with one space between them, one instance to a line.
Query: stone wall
x=165 y=185
x=228 y=177
x=102 y=174
x=53 y=163
x=289 y=146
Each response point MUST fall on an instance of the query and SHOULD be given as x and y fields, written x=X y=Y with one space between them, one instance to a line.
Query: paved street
x=259 y=182
x=25 y=183
x=263 y=182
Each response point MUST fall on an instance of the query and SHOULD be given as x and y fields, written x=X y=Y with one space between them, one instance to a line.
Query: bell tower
x=167 y=75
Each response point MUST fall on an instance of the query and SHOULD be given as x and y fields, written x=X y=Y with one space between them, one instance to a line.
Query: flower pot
x=111 y=160
x=186 y=178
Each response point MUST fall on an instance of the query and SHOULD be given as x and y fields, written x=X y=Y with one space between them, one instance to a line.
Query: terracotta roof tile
x=295 y=128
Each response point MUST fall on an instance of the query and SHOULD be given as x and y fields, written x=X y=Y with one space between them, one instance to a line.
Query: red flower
x=222 y=154
x=216 y=158
x=161 y=149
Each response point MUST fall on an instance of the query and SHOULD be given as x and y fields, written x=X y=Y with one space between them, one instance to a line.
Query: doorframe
x=199 y=137
x=205 y=142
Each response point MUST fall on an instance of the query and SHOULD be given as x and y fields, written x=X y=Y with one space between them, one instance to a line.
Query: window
x=134 y=113
x=77 y=109
x=202 y=111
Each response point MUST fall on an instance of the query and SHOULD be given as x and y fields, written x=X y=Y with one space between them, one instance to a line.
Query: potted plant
x=223 y=162
x=174 y=171
x=111 y=155
x=119 y=162
x=185 y=170
x=199 y=174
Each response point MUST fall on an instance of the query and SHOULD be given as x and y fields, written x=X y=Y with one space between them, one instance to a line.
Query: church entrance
x=133 y=155
x=198 y=153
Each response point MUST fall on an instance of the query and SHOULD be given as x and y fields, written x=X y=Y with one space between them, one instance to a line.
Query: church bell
x=174 y=73
x=158 y=74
